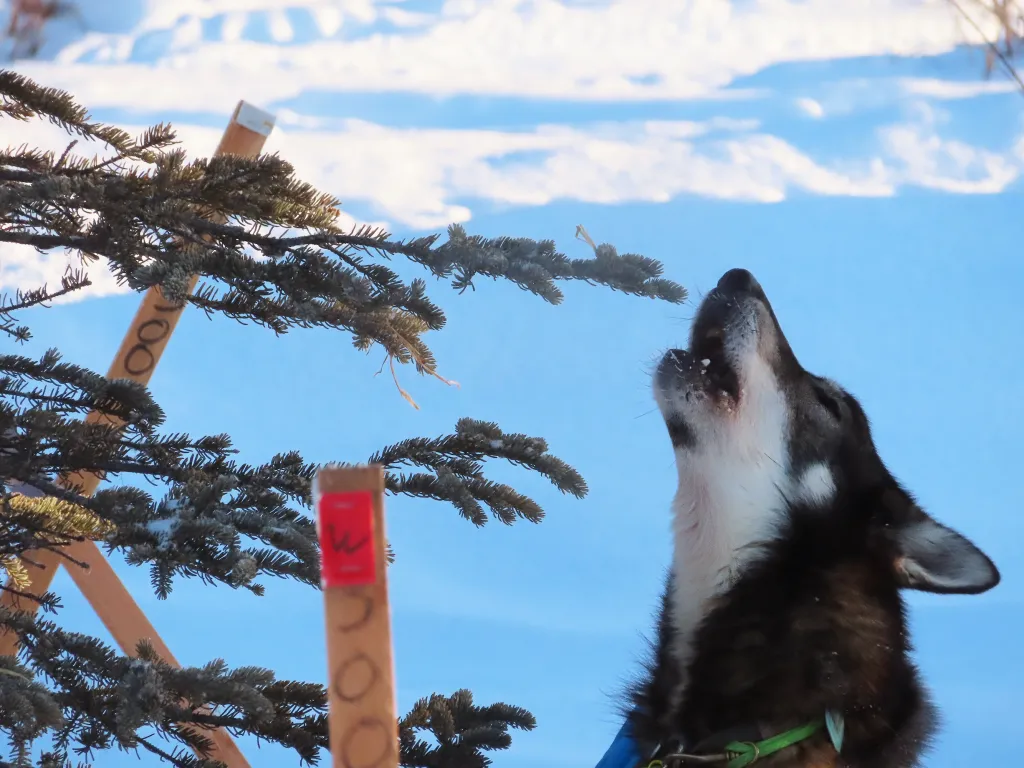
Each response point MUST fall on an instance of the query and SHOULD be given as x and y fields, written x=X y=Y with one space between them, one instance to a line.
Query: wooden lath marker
x=137 y=358
x=349 y=503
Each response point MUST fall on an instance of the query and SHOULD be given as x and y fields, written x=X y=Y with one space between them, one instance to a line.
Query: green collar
x=739 y=754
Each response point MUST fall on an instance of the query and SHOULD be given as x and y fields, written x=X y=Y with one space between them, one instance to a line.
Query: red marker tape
x=347 y=550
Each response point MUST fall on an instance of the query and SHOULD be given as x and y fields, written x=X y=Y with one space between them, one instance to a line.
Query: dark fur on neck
x=816 y=623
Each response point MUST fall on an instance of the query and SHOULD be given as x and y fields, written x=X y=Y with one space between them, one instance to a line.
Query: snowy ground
x=848 y=152
x=522 y=103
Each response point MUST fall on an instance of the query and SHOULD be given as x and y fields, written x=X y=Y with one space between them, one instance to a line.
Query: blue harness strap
x=623 y=752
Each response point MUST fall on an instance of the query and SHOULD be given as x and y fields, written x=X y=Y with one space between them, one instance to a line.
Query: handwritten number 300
x=140 y=360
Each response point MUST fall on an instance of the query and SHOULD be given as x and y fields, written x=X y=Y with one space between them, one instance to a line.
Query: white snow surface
x=137 y=62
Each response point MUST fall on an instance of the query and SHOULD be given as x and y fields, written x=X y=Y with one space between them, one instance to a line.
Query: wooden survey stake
x=349 y=505
x=138 y=356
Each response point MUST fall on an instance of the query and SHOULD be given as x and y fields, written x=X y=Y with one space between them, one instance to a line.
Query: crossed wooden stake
x=350 y=507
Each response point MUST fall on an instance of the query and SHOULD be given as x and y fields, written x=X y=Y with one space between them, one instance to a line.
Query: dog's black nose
x=739 y=281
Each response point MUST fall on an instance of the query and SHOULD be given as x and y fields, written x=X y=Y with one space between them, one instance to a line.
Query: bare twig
x=992 y=47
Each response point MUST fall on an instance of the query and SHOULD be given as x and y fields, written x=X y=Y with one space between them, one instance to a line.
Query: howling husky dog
x=792 y=542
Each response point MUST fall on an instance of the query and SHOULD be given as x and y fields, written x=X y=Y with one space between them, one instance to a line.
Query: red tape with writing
x=347 y=551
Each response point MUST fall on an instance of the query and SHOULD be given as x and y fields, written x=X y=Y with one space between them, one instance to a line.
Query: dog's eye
x=831 y=405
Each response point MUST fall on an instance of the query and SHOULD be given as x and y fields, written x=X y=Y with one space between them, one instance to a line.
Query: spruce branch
x=266 y=248
x=280 y=260
x=461 y=731
x=73 y=280
x=101 y=699
x=457 y=474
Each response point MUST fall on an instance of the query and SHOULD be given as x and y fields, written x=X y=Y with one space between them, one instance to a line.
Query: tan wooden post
x=349 y=502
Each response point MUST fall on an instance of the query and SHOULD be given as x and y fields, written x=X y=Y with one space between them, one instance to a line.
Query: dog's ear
x=931 y=557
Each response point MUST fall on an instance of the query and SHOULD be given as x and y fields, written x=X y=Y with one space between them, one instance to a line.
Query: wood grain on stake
x=350 y=517
x=140 y=351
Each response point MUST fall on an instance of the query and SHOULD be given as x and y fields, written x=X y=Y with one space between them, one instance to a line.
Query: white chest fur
x=733 y=485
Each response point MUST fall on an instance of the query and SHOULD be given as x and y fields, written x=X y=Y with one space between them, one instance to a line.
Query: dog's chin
x=697 y=394
x=699 y=381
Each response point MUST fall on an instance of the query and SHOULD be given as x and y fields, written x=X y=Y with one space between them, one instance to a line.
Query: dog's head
x=759 y=439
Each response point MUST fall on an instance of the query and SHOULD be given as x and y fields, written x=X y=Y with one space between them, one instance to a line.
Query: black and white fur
x=792 y=543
